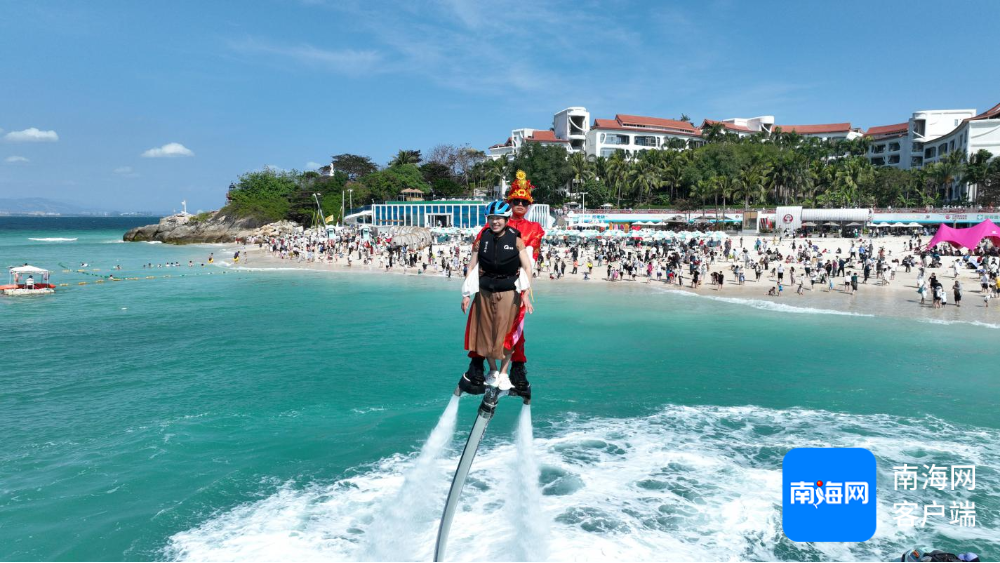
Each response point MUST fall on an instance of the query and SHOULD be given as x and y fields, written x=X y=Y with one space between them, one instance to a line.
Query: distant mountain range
x=43 y=206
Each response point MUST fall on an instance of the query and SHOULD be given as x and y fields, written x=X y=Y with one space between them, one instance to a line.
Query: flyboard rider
x=499 y=277
x=520 y=200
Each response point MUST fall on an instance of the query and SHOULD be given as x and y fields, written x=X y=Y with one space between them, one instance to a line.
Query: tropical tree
x=355 y=166
x=406 y=157
x=752 y=183
x=975 y=171
x=714 y=133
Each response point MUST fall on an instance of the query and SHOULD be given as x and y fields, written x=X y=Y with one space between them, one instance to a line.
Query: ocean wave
x=52 y=239
x=153 y=242
x=766 y=305
x=947 y=322
x=116 y=241
x=697 y=483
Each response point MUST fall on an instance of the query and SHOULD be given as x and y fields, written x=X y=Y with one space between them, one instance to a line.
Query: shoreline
x=898 y=300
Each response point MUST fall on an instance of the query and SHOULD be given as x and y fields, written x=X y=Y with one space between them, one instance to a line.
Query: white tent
x=30 y=270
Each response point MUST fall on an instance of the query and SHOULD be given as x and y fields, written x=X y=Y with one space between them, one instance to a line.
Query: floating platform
x=19 y=290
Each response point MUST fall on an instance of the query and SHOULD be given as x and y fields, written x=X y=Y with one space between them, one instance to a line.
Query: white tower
x=185 y=205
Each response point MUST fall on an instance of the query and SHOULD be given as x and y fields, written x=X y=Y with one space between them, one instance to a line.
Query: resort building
x=742 y=126
x=890 y=145
x=930 y=136
x=927 y=137
x=824 y=131
x=519 y=137
x=572 y=125
x=634 y=133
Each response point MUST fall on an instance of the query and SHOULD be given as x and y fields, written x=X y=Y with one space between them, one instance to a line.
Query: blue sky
x=208 y=90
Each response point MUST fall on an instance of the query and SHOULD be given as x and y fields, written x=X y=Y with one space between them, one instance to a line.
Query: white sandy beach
x=899 y=298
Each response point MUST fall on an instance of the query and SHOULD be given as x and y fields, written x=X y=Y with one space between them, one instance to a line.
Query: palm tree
x=406 y=157
x=582 y=168
x=714 y=133
x=670 y=168
x=599 y=164
x=704 y=189
x=850 y=177
x=975 y=172
x=644 y=175
x=618 y=171
x=752 y=183
x=952 y=169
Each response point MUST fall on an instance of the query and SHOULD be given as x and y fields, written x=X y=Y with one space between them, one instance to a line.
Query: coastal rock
x=184 y=228
x=279 y=229
x=412 y=237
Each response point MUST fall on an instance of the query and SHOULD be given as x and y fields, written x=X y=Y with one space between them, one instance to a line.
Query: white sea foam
x=766 y=305
x=947 y=322
x=686 y=483
x=154 y=242
x=52 y=239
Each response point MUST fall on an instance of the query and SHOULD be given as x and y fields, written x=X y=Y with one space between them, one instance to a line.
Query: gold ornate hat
x=521 y=188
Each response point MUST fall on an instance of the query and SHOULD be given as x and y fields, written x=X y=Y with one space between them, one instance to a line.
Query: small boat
x=22 y=282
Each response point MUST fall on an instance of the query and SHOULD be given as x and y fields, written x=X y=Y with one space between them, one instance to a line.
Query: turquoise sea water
x=225 y=414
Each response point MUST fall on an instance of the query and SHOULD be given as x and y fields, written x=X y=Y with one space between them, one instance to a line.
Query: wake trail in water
x=686 y=483
x=525 y=510
x=401 y=523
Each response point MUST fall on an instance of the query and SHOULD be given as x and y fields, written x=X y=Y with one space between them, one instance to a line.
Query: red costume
x=531 y=234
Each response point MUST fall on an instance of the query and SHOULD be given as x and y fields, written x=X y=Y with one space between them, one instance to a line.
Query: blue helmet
x=498 y=207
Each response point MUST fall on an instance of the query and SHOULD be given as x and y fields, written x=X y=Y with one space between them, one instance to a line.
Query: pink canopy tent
x=966 y=238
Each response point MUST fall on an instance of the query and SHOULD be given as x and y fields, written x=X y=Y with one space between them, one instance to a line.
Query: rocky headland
x=214 y=226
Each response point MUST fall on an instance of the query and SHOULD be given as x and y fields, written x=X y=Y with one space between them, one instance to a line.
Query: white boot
x=503 y=382
x=492 y=379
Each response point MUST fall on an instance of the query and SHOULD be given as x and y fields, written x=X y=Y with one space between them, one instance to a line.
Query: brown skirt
x=490 y=319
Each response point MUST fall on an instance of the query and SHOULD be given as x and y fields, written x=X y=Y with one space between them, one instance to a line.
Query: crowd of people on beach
x=784 y=263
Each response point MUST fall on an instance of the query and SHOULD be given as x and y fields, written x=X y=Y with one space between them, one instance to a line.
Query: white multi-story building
x=634 y=133
x=931 y=135
x=743 y=126
x=572 y=125
x=969 y=136
x=890 y=145
x=518 y=138
x=927 y=137
x=824 y=131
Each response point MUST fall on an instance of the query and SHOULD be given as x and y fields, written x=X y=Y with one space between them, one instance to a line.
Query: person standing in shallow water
x=501 y=263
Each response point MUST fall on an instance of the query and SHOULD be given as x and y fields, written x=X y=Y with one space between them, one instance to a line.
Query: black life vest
x=499 y=260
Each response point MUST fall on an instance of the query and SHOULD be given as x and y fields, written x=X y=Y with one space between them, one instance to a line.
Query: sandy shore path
x=897 y=299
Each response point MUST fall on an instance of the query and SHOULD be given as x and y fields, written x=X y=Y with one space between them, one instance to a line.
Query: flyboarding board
x=491 y=397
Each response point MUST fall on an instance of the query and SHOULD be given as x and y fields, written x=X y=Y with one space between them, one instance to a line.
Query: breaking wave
x=766 y=305
x=686 y=483
x=52 y=239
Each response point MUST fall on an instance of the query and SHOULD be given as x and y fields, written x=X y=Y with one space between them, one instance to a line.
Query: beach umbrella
x=808 y=224
x=831 y=224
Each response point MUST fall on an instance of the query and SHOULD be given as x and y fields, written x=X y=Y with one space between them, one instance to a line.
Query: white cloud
x=125 y=172
x=168 y=150
x=15 y=159
x=346 y=61
x=313 y=165
x=31 y=135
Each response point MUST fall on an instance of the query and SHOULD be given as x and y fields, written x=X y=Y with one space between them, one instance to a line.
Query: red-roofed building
x=633 y=133
x=742 y=126
x=884 y=131
x=888 y=144
x=825 y=131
